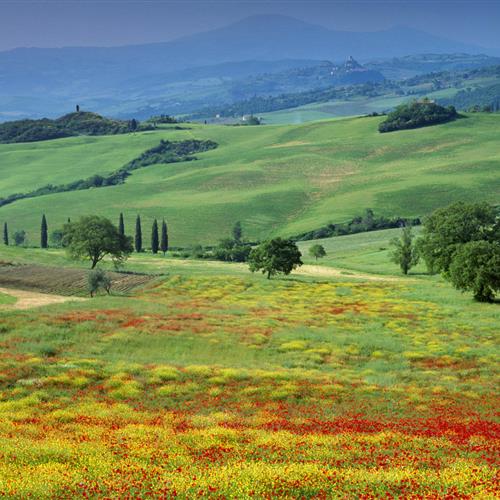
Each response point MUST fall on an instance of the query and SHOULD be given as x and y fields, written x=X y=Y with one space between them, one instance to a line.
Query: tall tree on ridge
x=5 y=234
x=138 y=235
x=121 y=225
x=164 y=238
x=43 y=233
x=154 y=237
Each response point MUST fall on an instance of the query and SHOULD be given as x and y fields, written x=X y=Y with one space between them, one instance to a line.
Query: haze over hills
x=120 y=80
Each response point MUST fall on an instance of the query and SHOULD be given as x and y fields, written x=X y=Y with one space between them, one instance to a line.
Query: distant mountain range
x=120 y=80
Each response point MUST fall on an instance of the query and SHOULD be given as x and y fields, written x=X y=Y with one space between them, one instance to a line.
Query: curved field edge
x=275 y=179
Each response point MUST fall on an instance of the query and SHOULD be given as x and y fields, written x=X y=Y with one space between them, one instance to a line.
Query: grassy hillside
x=275 y=179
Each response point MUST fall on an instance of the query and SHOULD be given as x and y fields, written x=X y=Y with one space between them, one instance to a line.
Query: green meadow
x=276 y=179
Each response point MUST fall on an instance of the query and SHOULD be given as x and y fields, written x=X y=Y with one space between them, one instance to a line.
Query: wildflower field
x=232 y=386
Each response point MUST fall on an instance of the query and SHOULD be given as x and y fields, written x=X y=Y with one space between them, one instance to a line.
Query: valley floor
x=210 y=381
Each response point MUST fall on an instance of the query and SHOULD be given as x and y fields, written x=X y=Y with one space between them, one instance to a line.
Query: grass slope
x=275 y=179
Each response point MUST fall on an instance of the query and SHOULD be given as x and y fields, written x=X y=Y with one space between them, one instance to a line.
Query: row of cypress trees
x=157 y=243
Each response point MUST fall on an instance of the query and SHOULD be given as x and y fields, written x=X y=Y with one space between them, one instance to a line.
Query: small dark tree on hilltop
x=93 y=238
x=275 y=256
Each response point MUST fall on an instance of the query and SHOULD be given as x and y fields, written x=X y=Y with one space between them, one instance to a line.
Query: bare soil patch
x=64 y=281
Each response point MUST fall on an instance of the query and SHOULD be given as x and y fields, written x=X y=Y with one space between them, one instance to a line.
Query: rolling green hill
x=275 y=179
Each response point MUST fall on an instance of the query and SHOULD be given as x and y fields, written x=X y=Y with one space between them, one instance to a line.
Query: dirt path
x=305 y=270
x=332 y=272
x=27 y=300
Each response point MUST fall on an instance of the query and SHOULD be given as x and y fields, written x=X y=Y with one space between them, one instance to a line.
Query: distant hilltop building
x=352 y=65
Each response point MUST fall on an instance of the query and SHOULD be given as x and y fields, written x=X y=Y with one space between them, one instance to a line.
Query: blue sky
x=56 y=23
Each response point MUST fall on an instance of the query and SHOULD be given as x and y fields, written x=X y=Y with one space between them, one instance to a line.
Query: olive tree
x=93 y=237
x=476 y=267
x=275 y=256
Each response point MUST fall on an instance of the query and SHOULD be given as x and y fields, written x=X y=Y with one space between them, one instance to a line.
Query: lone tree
x=237 y=232
x=154 y=237
x=476 y=267
x=43 y=233
x=317 y=251
x=138 y=235
x=5 y=234
x=93 y=238
x=275 y=256
x=164 y=238
x=96 y=279
x=449 y=227
x=121 y=225
x=405 y=253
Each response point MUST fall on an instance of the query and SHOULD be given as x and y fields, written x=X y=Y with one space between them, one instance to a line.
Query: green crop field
x=274 y=179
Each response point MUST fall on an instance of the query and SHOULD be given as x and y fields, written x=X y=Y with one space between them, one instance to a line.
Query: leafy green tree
x=405 y=253
x=317 y=251
x=96 y=279
x=121 y=225
x=56 y=238
x=20 y=237
x=138 y=235
x=93 y=237
x=476 y=267
x=275 y=256
x=237 y=232
x=5 y=234
x=43 y=233
x=154 y=237
x=449 y=227
x=230 y=250
x=164 y=237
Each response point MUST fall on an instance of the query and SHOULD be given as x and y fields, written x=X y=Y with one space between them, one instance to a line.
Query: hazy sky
x=56 y=23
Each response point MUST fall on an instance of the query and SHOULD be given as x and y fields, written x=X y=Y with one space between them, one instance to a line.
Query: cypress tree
x=138 y=235
x=121 y=225
x=5 y=234
x=154 y=237
x=43 y=233
x=164 y=238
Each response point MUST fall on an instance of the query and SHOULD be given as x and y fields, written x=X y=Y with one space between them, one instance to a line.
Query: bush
x=97 y=278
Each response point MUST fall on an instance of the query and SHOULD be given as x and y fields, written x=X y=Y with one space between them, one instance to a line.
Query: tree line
x=113 y=236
